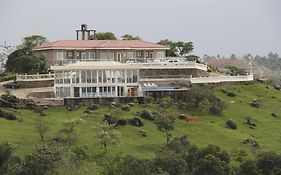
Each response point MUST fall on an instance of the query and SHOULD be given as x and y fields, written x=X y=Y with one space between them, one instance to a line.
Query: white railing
x=179 y=65
x=162 y=63
x=220 y=79
x=35 y=77
x=71 y=61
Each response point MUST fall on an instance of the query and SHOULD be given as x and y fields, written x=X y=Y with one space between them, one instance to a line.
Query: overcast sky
x=215 y=26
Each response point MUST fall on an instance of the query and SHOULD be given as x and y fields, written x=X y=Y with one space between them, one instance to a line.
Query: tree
x=235 y=71
x=209 y=160
x=6 y=50
x=43 y=160
x=9 y=163
x=172 y=51
x=269 y=163
x=76 y=158
x=107 y=134
x=165 y=124
x=104 y=36
x=248 y=167
x=130 y=37
x=178 y=48
x=42 y=128
x=69 y=131
x=33 y=41
x=24 y=59
x=184 y=48
x=211 y=165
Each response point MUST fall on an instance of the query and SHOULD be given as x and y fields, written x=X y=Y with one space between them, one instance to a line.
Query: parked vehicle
x=11 y=85
x=174 y=62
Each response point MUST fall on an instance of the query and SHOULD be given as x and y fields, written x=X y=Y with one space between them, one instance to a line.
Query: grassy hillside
x=211 y=129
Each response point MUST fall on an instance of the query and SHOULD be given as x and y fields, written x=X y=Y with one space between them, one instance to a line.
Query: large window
x=60 y=56
x=83 y=76
x=92 y=55
x=89 y=76
x=83 y=56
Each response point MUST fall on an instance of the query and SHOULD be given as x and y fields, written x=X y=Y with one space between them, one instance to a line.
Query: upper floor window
x=69 y=54
x=60 y=55
x=92 y=55
x=83 y=56
x=160 y=55
x=130 y=54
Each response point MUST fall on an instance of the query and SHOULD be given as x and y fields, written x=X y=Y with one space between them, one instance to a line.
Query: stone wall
x=35 y=84
x=105 y=100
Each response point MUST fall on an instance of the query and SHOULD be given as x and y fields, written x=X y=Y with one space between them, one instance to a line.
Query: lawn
x=211 y=129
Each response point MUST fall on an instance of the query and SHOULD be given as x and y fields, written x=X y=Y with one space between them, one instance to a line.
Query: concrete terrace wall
x=171 y=73
x=221 y=79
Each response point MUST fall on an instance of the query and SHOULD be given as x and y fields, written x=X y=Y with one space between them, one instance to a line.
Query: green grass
x=211 y=129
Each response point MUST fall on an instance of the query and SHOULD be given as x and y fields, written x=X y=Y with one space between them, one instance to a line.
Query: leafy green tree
x=269 y=163
x=9 y=164
x=107 y=134
x=209 y=159
x=248 y=167
x=33 y=41
x=178 y=48
x=172 y=51
x=211 y=165
x=130 y=37
x=165 y=124
x=184 y=48
x=24 y=59
x=42 y=128
x=104 y=36
x=177 y=146
x=76 y=158
x=68 y=133
x=131 y=165
x=172 y=164
x=43 y=160
x=235 y=71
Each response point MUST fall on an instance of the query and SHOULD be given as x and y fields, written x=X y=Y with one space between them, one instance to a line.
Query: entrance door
x=119 y=57
x=120 y=91
x=76 y=92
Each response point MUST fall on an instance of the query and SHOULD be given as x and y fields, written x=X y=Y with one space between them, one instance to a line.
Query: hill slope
x=210 y=130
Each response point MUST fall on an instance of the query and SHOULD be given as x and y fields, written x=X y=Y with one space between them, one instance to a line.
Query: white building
x=97 y=79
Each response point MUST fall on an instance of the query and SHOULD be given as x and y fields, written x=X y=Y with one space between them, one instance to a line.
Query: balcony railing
x=220 y=79
x=35 y=77
x=165 y=63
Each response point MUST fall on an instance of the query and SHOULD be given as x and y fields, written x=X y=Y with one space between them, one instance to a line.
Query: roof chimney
x=83 y=32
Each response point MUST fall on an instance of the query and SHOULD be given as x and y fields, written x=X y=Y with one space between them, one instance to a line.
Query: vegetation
x=235 y=71
x=178 y=48
x=130 y=37
x=24 y=59
x=104 y=36
x=150 y=154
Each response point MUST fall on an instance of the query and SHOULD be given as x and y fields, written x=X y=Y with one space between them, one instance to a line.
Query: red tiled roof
x=101 y=44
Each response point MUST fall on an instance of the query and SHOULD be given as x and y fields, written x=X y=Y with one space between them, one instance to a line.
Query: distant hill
x=221 y=63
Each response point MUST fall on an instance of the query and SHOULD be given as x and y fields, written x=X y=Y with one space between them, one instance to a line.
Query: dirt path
x=25 y=93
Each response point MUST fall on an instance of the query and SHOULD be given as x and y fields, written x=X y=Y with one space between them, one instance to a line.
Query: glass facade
x=95 y=83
